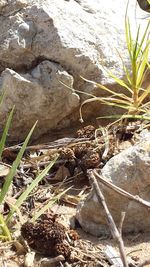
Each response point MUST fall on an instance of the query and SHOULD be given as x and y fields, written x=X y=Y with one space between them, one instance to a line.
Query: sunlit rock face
x=128 y=170
x=46 y=43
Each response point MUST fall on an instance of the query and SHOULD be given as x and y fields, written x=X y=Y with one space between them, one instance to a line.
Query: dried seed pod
x=91 y=160
x=47 y=236
x=81 y=149
x=67 y=153
x=63 y=249
x=73 y=235
x=86 y=132
x=27 y=231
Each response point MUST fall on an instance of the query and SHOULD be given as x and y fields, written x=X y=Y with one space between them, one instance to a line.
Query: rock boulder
x=72 y=38
x=130 y=171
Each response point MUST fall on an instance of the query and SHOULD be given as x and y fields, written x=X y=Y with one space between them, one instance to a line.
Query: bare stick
x=121 y=191
x=114 y=231
x=123 y=214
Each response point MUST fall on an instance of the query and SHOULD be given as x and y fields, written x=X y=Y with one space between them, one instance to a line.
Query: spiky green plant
x=134 y=101
x=5 y=232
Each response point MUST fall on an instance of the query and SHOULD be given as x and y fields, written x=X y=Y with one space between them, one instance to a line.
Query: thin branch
x=114 y=231
x=123 y=214
x=121 y=191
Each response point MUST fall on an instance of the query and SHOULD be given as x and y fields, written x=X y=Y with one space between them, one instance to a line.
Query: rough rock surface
x=38 y=95
x=45 y=42
x=129 y=170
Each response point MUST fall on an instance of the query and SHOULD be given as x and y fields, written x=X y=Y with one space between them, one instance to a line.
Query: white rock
x=128 y=170
x=39 y=93
x=81 y=36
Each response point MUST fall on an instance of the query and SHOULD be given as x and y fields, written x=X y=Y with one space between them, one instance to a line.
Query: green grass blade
x=146 y=106
x=107 y=101
x=143 y=38
x=125 y=70
x=128 y=77
x=121 y=95
x=115 y=104
x=5 y=132
x=106 y=89
x=115 y=100
x=120 y=82
x=2 y=97
x=144 y=95
x=128 y=37
x=136 y=51
x=5 y=230
x=126 y=116
x=14 y=167
x=49 y=205
x=74 y=90
x=142 y=65
x=26 y=193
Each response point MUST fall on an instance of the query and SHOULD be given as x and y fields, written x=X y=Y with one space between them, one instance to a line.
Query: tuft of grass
x=29 y=189
x=14 y=167
x=134 y=102
x=6 y=235
x=52 y=201
x=5 y=231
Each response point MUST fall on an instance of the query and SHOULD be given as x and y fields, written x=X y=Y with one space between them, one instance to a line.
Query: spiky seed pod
x=27 y=231
x=67 y=153
x=86 y=132
x=63 y=249
x=73 y=235
x=81 y=149
x=48 y=236
x=91 y=160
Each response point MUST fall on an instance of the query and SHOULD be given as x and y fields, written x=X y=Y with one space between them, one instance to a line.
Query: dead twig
x=52 y=145
x=123 y=214
x=114 y=231
x=121 y=191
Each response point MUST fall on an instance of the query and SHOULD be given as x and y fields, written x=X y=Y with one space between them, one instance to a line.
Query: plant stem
x=4 y=228
x=134 y=88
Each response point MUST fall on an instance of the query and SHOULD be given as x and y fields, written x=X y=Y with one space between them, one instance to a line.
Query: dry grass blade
x=5 y=231
x=49 y=205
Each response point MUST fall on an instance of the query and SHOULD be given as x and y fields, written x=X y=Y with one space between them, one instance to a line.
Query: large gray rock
x=78 y=37
x=38 y=95
x=129 y=170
